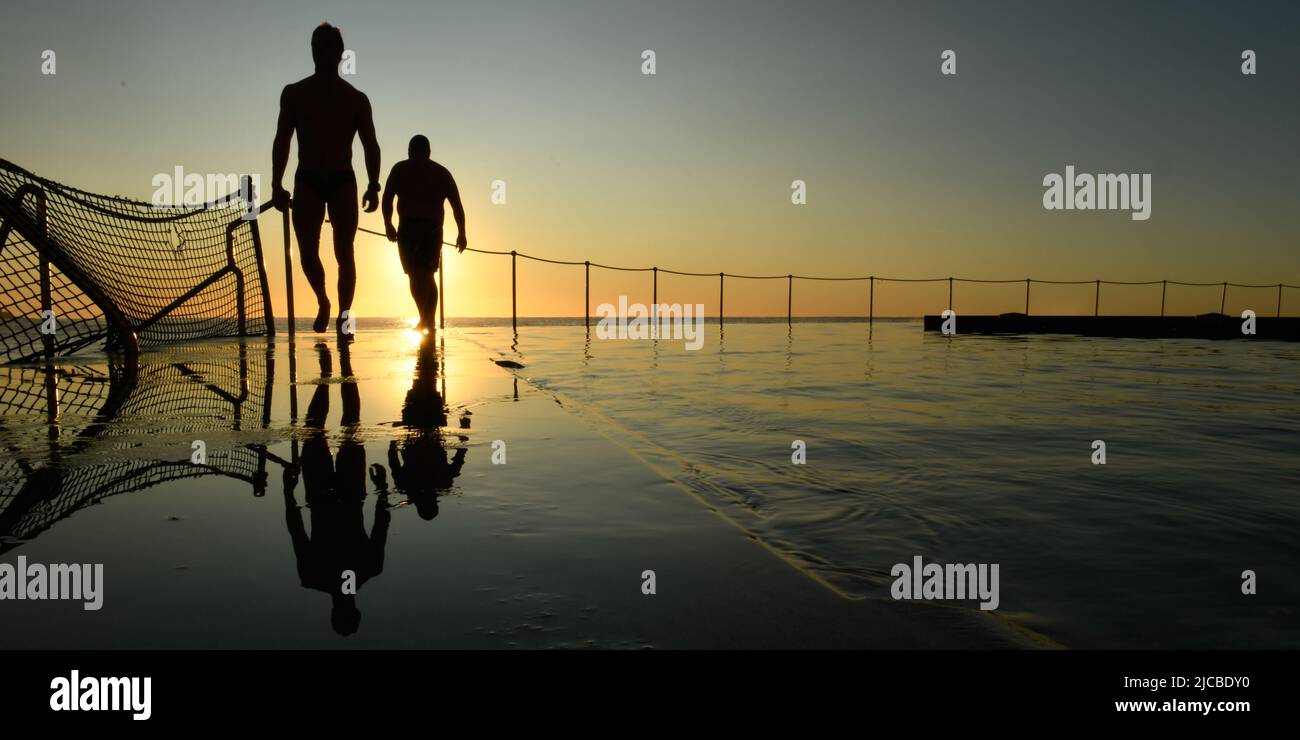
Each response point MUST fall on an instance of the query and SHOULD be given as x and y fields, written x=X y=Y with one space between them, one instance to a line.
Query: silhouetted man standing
x=326 y=112
x=421 y=186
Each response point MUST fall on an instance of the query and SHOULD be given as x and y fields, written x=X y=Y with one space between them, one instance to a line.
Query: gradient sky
x=909 y=173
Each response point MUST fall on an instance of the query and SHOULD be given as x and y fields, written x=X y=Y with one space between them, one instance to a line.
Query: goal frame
x=120 y=333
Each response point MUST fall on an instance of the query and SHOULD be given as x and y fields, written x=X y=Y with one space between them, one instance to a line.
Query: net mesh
x=122 y=272
x=71 y=434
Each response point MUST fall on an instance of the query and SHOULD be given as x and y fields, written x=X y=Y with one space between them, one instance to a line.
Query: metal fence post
x=288 y=272
x=722 y=277
x=1096 y=306
x=789 y=301
x=1027 y=281
x=586 y=311
x=654 y=303
x=47 y=292
x=514 y=311
x=1164 y=286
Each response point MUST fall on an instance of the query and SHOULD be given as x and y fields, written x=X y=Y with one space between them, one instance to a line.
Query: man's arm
x=395 y=465
x=293 y=516
x=280 y=150
x=379 y=533
x=458 y=211
x=388 y=204
x=369 y=144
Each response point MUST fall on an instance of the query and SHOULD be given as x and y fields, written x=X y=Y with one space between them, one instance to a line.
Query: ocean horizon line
x=579 y=320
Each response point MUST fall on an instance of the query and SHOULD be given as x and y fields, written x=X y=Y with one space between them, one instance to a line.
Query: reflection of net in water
x=77 y=390
x=122 y=271
x=115 y=430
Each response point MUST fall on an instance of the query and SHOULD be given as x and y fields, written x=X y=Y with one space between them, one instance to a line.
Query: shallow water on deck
x=956 y=449
x=972 y=449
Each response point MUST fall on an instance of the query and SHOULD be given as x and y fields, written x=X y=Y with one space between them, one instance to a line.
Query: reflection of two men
x=338 y=556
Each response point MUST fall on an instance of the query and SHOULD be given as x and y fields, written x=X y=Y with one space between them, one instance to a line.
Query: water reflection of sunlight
x=411 y=337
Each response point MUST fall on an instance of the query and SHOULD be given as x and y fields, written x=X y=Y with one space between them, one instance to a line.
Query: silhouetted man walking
x=326 y=112
x=421 y=186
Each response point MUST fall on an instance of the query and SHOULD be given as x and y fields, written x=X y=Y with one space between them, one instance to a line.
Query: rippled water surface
x=380 y=456
x=979 y=449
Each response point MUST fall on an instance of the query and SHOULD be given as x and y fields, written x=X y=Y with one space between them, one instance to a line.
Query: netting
x=122 y=273
x=72 y=435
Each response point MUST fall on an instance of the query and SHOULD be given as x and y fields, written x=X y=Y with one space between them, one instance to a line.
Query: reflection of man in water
x=336 y=492
x=420 y=466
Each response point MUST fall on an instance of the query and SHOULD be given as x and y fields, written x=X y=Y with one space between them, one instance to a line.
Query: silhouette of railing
x=790 y=278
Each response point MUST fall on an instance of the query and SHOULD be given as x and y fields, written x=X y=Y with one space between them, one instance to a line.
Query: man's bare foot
x=322 y=318
x=341 y=328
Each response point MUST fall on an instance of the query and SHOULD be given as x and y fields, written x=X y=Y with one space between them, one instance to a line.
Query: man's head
x=426 y=504
x=418 y=148
x=345 y=617
x=326 y=45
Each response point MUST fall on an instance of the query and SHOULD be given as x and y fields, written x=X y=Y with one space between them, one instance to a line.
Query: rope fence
x=790 y=278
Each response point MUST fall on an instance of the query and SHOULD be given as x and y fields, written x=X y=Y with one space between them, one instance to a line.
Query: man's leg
x=350 y=391
x=415 y=278
x=429 y=279
x=432 y=295
x=317 y=467
x=343 y=219
x=308 y=215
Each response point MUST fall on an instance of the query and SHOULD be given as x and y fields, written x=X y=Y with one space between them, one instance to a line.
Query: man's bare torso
x=421 y=186
x=326 y=113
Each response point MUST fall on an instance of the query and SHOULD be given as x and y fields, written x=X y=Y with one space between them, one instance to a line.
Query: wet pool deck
x=544 y=551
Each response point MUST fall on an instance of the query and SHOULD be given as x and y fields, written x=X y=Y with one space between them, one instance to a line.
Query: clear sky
x=909 y=173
